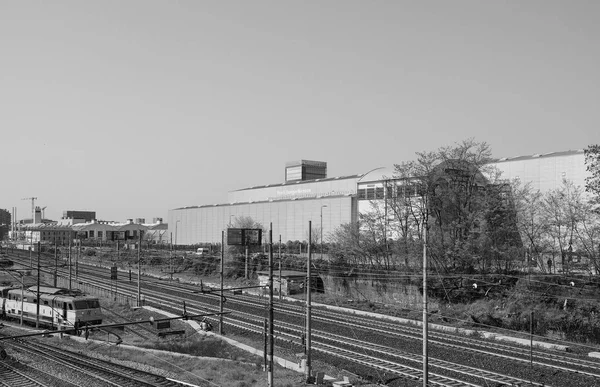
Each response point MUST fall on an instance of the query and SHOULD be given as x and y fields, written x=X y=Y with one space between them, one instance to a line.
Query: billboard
x=244 y=236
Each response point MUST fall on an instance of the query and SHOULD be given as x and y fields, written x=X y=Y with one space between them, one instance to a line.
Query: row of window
x=16 y=297
x=375 y=193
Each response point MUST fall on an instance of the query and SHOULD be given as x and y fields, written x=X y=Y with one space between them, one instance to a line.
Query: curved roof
x=378 y=174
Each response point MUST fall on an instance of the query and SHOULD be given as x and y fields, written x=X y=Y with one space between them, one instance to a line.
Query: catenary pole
x=280 y=267
x=139 y=289
x=271 y=341
x=425 y=320
x=70 y=265
x=222 y=268
x=117 y=278
x=55 y=263
x=77 y=260
x=37 y=304
x=307 y=285
x=246 y=270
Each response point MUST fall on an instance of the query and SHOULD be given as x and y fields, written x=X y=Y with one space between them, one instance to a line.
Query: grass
x=210 y=361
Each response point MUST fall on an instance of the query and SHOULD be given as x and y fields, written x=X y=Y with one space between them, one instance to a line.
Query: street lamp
x=324 y=205
x=176 y=233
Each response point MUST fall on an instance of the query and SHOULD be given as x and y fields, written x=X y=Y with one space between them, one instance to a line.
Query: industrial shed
x=290 y=282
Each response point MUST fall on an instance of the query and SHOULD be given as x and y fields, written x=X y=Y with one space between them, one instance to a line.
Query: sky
x=132 y=108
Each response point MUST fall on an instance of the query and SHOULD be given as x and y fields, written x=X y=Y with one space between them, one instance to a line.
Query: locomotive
x=59 y=308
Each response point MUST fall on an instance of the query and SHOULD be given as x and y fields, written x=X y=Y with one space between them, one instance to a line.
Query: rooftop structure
x=303 y=170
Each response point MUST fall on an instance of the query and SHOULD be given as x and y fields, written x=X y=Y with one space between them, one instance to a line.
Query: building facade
x=5 y=223
x=545 y=172
x=86 y=216
x=331 y=202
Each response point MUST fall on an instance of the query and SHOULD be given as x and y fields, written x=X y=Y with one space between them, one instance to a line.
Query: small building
x=291 y=281
x=157 y=233
x=105 y=231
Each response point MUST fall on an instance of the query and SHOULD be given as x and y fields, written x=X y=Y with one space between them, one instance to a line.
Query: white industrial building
x=309 y=195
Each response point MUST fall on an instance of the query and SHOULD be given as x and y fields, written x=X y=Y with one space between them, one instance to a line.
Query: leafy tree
x=592 y=165
x=562 y=217
x=450 y=190
x=530 y=220
x=237 y=263
x=346 y=246
x=588 y=235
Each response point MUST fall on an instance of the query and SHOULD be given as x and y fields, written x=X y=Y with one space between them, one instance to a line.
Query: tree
x=448 y=190
x=562 y=218
x=530 y=219
x=237 y=265
x=592 y=165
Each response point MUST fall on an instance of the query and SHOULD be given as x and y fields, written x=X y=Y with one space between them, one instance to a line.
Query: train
x=60 y=308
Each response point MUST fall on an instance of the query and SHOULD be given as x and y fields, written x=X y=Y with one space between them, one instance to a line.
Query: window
x=91 y=233
x=86 y=304
x=99 y=234
x=370 y=193
x=379 y=193
x=390 y=191
x=362 y=194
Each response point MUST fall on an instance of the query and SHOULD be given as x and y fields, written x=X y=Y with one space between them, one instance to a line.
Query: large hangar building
x=309 y=195
x=306 y=195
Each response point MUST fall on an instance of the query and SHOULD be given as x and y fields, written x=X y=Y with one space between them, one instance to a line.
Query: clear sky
x=132 y=108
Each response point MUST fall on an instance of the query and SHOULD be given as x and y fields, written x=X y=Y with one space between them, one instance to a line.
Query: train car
x=59 y=308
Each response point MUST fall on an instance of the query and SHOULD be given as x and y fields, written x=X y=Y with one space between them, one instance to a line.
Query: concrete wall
x=403 y=295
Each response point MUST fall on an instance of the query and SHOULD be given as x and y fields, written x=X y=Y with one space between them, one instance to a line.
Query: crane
x=32 y=208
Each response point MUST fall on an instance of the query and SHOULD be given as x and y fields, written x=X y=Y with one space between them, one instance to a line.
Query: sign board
x=234 y=237
x=244 y=236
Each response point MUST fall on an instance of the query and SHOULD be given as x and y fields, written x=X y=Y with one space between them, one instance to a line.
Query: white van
x=203 y=251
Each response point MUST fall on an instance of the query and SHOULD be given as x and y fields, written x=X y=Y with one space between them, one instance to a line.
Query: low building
x=157 y=233
x=109 y=231
x=86 y=216
x=290 y=282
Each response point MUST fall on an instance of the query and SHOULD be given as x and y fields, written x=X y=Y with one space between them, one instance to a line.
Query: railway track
x=96 y=371
x=22 y=375
x=248 y=316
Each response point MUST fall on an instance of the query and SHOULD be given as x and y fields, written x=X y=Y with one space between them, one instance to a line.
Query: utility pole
x=139 y=271
x=37 y=304
x=271 y=342
x=77 y=260
x=55 y=263
x=171 y=257
x=425 y=319
x=280 y=267
x=307 y=370
x=30 y=249
x=222 y=268
x=70 y=265
x=246 y=271
x=324 y=205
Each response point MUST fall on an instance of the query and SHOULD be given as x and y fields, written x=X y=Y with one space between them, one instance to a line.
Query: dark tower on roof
x=305 y=170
